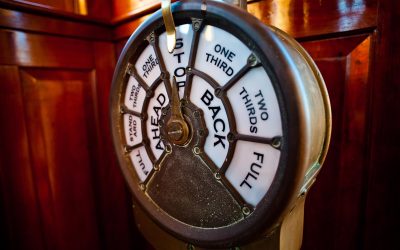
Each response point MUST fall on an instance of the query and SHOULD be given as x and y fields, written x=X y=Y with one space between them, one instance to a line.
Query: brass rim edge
x=313 y=171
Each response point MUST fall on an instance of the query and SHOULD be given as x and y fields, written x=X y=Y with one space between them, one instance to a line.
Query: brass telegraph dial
x=218 y=139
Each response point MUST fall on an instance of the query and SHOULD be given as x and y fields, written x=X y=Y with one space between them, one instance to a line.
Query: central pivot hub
x=177 y=128
x=178 y=132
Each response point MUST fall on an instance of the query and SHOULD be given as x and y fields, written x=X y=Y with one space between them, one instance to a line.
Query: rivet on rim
x=196 y=150
x=252 y=60
x=168 y=148
x=276 y=142
x=246 y=210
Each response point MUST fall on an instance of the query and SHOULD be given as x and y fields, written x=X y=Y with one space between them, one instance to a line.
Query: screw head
x=151 y=37
x=200 y=132
x=246 y=210
x=231 y=137
x=196 y=150
x=252 y=60
x=168 y=148
x=218 y=92
x=196 y=25
x=175 y=131
x=276 y=142
x=149 y=93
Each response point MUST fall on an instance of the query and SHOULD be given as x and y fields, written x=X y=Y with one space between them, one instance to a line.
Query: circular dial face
x=200 y=132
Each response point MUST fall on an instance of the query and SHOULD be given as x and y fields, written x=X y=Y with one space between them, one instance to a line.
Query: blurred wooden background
x=60 y=185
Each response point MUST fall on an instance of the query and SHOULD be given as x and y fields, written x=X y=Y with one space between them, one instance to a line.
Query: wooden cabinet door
x=334 y=207
x=60 y=185
x=60 y=112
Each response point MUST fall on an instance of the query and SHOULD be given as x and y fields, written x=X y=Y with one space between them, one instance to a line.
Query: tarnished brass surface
x=194 y=185
x=177 y=128
x=318 y=113
x=285 y=236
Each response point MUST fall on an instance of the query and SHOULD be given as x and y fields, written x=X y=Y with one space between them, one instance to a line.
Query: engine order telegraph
x=220 y=134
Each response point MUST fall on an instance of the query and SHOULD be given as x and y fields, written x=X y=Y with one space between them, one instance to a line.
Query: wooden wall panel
x=21 y=224
x=25 y=49
x=336 y=203
x=310 y=18
x=383 y=203
x=62 y=131
x=62 y=5
x=47 y=24
x=123 y=10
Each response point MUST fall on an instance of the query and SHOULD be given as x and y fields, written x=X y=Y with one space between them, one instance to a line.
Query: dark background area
x=60 y=185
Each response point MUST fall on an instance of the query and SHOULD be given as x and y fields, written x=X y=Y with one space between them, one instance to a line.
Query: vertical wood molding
x=383 y=204
x=337 y=198
x=18 y=190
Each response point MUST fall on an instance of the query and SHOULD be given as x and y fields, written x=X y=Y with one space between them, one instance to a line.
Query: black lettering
x=215 y=60
x=219 y=140
x=148 y=65
x=223 y=66
x=154 y=121
x=156 y=133
x=141 y=164
x=179 y=43
x=229 y=71
x=134 y=128
x=245 y=182
x=215 y=125
x=230 y=56
x=259 y=156
x=161 y=99
x=179 y=72
x=252 y=111
x=252 y=168
x=217 y=48
x=179 y=56
x=264 y=116
x=207 y=98
x=156 y=109
x=261 y=104
x=224 y=52
x=208 y=55
x=215 y=110
x=159 y=145
x=253 y=129
x=219 y=62
x=243 y=91
x=259 y=94
x=246 y=98
x=253 y=120
x=250 y=175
